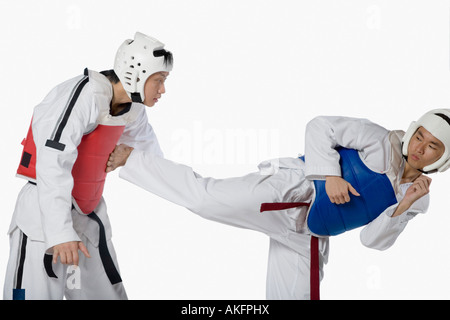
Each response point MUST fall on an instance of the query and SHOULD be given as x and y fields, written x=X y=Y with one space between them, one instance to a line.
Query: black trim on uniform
x=48 y=258
x=108 y=263
x=126 y=109
x=54 y=143
x=23 y=252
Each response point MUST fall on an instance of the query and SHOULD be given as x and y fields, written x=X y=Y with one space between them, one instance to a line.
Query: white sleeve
x=57 y=133
x=325 y=133
x=174 y=182
x=181 y=185
x=140 y=134
x=383 y=231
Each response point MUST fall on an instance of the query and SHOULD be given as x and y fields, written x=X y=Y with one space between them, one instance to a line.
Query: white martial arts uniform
x=45 y=216
x=237 y=201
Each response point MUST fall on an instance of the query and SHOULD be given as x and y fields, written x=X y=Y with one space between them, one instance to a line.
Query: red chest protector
x=89 y=169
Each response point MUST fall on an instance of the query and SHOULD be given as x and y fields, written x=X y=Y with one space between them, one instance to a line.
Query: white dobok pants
x=31 y=274
x=237 y=202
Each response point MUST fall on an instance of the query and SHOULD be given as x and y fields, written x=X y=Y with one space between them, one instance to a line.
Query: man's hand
x=68 y=252
x=337 y=190
x=118 y=157
x=419 y=188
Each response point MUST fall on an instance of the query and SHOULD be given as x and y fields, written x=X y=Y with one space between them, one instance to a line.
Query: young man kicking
x=388 y=187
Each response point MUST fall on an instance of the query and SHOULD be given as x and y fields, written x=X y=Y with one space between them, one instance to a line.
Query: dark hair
x=168 y=57
x=168 y=60
x=111 y=75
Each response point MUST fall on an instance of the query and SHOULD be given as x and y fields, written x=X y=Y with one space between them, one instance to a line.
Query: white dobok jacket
x=46 y=215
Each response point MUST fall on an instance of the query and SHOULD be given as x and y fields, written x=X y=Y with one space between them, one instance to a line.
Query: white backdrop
x=248 y=76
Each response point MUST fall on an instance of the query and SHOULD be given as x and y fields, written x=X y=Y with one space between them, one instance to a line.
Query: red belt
x=314 y=266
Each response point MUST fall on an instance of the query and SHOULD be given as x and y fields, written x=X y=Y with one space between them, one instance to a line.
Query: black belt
x=105 y=256
x=108 y=263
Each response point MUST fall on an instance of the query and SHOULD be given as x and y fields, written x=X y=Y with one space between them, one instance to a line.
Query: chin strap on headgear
x=136 y=60
x=437 y=122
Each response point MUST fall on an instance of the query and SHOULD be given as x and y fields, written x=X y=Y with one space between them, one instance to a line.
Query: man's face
x=154 y=88
x=424 y=149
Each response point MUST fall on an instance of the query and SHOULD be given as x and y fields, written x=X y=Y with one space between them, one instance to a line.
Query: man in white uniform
x=61 y=211
x=238 y=201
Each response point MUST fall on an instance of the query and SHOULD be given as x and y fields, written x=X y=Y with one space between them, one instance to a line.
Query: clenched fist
x=419 y=188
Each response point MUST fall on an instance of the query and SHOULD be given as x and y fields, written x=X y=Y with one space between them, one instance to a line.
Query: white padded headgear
x=437 y=122
x=138 y=59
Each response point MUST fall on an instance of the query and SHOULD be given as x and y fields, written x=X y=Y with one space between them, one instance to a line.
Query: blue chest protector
x=376 y=195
